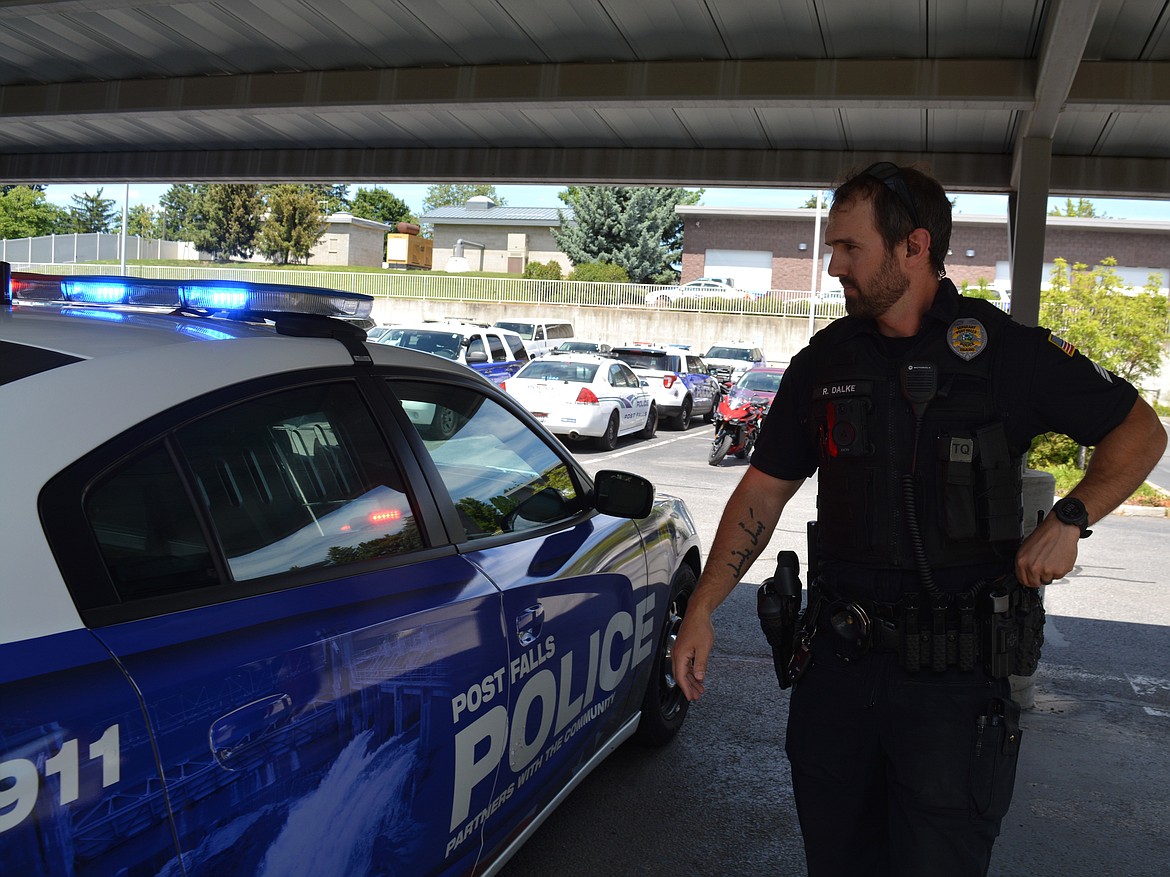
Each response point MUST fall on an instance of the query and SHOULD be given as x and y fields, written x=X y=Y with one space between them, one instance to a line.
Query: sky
x=546 y=196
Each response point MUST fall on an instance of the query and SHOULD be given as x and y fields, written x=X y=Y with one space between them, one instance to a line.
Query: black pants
x=892 y=773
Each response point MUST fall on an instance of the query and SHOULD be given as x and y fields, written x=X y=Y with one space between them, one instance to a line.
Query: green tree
x=331 y=198
x=92 y=213
x=226 y=220
x=292 y=225
x=1079 y=207
x=456 y=195
x=144 y=222
x=4 y=190
x=179 y=212
x=25 y=212
x=634 y=227
x=1118 y=328
x=380 y=205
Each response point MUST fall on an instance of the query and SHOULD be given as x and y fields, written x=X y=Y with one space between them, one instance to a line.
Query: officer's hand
x=1049 y=553
x=696 y=635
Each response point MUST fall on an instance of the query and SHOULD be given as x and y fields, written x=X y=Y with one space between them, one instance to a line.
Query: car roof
x=454 y=326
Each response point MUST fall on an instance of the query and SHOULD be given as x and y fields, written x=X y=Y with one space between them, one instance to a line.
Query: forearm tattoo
x=753 y=529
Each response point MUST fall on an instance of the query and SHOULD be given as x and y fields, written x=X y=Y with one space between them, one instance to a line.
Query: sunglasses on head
x=891 y=175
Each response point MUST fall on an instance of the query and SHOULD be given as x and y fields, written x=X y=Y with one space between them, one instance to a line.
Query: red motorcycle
x=737 y=423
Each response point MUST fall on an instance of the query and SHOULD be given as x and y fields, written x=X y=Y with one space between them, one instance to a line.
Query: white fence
x=69 y=248
x=459 y=289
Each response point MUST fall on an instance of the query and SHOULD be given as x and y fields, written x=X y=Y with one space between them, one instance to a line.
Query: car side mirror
x=476 y=357
x=622 y=494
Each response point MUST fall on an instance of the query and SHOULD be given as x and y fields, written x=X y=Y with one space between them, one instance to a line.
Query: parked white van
x=540 y=334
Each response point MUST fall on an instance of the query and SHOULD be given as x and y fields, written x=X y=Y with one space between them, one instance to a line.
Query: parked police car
x=679 y=379
x=494 y=352
x=279 y=601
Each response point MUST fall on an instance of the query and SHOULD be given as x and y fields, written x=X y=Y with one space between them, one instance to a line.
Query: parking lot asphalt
x=1092 y=794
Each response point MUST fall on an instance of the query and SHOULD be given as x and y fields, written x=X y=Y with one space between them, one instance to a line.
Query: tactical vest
x=884 y=498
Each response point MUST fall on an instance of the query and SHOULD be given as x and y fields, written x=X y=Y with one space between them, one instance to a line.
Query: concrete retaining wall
x=779 y=337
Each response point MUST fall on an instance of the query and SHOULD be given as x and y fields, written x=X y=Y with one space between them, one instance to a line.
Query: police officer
x=917 y=410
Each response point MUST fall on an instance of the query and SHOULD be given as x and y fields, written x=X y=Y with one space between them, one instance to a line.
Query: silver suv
x=729 y=360
x=680 y=380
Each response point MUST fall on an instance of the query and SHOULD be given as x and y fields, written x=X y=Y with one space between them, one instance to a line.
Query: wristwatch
x=1071 y=510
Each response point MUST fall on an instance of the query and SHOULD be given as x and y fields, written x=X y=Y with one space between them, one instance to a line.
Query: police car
x=281 y=601
x=495 y=353
x=679 y=379
x=583 y=395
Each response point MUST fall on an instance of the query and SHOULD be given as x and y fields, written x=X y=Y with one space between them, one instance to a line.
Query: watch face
x=1071 y=511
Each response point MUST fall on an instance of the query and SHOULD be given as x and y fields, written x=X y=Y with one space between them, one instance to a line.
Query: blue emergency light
x=228 y=297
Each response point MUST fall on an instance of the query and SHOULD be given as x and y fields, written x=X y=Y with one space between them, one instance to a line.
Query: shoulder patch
x=966 y=337
x=1062 y=344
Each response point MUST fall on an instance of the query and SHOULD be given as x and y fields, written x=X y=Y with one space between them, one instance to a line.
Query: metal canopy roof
x=702 y=92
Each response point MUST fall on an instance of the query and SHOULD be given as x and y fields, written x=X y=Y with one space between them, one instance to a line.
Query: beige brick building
x=774 y=249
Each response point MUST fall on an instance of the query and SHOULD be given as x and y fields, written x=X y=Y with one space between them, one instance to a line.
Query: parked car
x=578 y=346
x=259 y=616
x=586 y=396
x=730 y=359
x=679 y=379
x=760 y=384
x=704 y=287
x=494 y=353
x=540 y=334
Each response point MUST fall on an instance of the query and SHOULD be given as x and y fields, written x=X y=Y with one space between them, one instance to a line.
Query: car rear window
x=640 y=359
x=558 y=370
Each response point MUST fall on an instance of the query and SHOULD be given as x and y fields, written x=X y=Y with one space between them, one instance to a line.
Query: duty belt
x=999 y=625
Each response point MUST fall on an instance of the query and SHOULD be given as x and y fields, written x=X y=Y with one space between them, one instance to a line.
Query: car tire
x=607 y=441
x=682 y=420
x=651 y=426
x=664 y=706
x=445 y=424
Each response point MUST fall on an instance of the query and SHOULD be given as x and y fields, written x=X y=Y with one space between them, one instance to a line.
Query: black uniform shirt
x=1050 y=388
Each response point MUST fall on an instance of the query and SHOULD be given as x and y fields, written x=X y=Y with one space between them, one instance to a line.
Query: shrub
x=550 y=270
x=601 y=272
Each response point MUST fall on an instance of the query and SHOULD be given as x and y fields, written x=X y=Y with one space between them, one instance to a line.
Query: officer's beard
x=882 y=292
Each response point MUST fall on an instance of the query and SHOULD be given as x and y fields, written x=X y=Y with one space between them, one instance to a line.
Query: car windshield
x=554 y=370
x=764 y=382
x=525 y=330
x=743 y=353
x=577 y=347
x=440 y=343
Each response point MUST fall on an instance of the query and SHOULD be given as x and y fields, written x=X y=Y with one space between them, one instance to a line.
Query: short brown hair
x=892 y=215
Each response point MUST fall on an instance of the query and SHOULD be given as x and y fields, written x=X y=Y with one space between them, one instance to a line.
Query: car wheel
x=607 y=441
x=683 y=419
x=445 y=424
x=664 y=705
x=651 y=426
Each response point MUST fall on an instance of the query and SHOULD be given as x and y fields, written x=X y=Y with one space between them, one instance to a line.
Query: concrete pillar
x=1039 y=494
x=1028 y=210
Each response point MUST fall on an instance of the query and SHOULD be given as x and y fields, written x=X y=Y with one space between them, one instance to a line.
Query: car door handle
x=528 y=624
x=249 y=725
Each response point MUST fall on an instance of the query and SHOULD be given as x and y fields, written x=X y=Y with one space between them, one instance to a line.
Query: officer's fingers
x=689 y=661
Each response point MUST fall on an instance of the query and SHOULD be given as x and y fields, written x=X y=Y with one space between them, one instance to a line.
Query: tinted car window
x=501 y=475
x=516 y=346
x=499 y=352
x=147 y=530
x=290 y=480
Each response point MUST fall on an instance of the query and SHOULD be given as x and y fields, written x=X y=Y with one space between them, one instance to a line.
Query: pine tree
x=634 y=227
x=292 y=225
x=227 y=220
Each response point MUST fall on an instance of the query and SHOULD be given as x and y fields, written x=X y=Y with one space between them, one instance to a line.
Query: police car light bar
x=232 y=296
